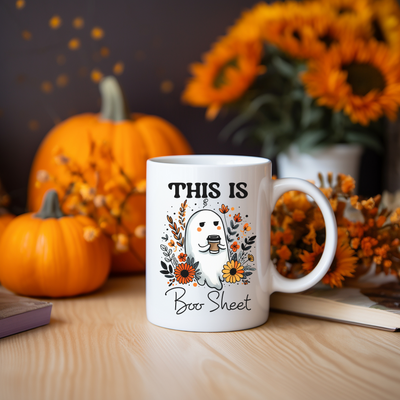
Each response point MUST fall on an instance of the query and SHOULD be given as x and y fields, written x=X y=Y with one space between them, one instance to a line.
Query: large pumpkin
x=133 y=139
x=46 y=254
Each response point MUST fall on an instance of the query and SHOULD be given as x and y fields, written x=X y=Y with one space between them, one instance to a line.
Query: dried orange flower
x=348 y=184
x=284 y=253
x=90 y=233
x=374 y=238
x=298 y=215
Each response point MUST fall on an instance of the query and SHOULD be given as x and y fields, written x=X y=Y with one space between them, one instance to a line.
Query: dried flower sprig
x=368 y=233
x=99 y=189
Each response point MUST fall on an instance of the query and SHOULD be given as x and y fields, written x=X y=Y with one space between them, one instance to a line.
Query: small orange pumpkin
x=133 y=139
x=46 y=254
x=5 y=219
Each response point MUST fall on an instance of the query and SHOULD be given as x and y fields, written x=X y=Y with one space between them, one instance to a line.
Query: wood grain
x=101 y=346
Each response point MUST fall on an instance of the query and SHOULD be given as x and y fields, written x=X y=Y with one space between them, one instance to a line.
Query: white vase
x=338 y=158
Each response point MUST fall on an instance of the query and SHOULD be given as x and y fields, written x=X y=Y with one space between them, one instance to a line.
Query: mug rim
x=211 y=160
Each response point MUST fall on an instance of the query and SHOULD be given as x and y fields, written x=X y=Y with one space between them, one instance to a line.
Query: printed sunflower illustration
x=184 y=273
x=233 y=271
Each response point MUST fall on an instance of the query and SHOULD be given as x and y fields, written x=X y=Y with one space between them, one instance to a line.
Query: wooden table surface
x=101 y=346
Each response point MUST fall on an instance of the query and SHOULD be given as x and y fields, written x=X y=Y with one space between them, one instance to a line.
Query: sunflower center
x=378 y=32
x=233 y=271
x=296 y=35
x=317 y=259
x=333 y=266
x=327 y=40
x=363 y=78
x=184 y=273
x=345 y=10
x=220 y=78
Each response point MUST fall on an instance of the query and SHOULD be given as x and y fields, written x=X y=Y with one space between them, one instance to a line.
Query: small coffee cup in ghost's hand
x=208 y=222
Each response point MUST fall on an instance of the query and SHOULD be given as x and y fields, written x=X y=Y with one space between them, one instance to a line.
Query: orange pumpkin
x=5 y=219
x=46 y=254
x=133 y=139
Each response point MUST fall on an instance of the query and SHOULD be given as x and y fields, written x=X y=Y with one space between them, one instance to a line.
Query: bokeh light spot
x=104 y=51
x=62 y=80
x=21 y=78
x=118 y=68
x=96 y=75
x=61 y=59
x=46 y=87
x=166 y=86
x=26 y=35
x=33 y=125
x=140 y=55
x=83 y=72
x=20 y=4
x=55 y=22
x=74 y=44
x=78 y=23
x=97 y=33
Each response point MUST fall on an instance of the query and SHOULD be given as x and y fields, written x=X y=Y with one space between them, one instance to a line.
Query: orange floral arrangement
x=316 y=72
x=100 y=190
x=368 y=233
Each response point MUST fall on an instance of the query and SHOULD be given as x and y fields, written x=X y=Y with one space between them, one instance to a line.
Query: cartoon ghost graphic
x=205 y=240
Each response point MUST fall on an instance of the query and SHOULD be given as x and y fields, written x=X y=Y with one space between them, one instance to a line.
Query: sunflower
x=385 y=22
x=344 y=263
x=307 y=32
x=251 y=23
x=360 y=78
x=225 y=74
x=349 y=11
x=233 y=271
x=184 y=273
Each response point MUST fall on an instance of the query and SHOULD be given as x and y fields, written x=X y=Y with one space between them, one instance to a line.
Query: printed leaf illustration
x=164 y=272
x=233 y=225
x=176 y=231
x=164 y=265
x=182 y=212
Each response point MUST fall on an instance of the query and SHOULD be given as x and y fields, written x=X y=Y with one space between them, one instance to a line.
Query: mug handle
x=282 y=284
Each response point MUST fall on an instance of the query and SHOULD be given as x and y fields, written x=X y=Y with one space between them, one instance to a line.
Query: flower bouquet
x=311 y=73
x=368 y=233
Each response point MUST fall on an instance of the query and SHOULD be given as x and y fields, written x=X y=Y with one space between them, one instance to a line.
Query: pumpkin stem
x=113 y=103
x=50 y=206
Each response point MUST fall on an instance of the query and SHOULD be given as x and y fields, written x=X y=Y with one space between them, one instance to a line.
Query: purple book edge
x=25 y=321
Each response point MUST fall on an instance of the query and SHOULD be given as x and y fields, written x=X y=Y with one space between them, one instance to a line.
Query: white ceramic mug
x=208 y=266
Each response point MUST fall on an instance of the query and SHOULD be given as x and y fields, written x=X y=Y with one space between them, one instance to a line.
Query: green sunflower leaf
x=364 y=139
x=283 y=67
x=309 y=139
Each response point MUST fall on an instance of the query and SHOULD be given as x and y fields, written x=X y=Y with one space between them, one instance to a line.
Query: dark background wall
x=153 y=40
x=151 y=43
